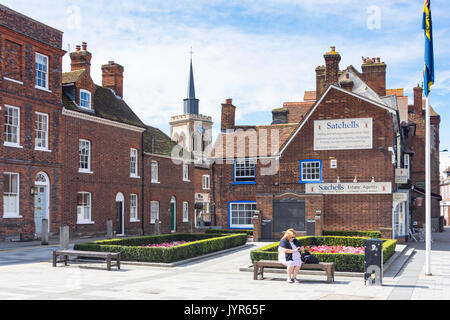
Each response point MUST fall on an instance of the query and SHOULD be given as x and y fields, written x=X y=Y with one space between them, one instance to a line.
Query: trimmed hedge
x=225 y=231
x=342 y=262
x=131 y=249
x=369 y=234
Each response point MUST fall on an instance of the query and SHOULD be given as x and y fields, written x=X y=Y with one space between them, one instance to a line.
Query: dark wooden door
x=289 y=213
x=119 y=218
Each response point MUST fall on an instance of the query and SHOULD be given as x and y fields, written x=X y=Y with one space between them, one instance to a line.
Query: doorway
x=173 y=214
x=120 y=199
x=41 y=201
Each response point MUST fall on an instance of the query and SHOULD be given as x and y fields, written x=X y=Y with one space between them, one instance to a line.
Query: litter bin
x=373 y=262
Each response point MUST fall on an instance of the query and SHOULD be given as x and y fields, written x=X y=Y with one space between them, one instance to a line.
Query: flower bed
x=146 y=249
x=335 y=249
x=165 y=244
x=349 y=262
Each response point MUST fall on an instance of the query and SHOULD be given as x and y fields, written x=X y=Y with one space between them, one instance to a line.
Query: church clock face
x=201 y=129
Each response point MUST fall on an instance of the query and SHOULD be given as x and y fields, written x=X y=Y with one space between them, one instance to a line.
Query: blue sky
x=261 y=53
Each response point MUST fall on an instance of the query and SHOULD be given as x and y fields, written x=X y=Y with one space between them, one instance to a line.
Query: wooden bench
x=258 y=268
x=108 y=256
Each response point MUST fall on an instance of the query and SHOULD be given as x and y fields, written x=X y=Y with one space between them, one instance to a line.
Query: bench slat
x=328 y=267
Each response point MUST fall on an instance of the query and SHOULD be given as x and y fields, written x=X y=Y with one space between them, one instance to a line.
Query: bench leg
x=262 y=272
x=118 y=262
x=66 y=259
x=108 y=263
x=54 y=258
x=255 y=271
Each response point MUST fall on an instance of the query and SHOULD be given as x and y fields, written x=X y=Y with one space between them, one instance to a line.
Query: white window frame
x=17 y=127
x=235 y=207
x=46 y=73
x=12 y=215
x=407 y=164
x=206 y=182
x=185 y=211
x=134 y=161
x=81 y=215
x=45 y=133
x=246 y=165
x=154 y=169
x=308 y=162
x=154 y=211
x=89 y=107
x=134 y=199
x=186 y=172
x=88 y=169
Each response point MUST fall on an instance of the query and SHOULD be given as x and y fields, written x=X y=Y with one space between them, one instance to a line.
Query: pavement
x=27 y=274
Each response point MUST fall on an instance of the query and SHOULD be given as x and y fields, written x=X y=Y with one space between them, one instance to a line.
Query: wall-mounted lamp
x=355 y=180
x=33 y=190
x=338 y=180
x=373 y=180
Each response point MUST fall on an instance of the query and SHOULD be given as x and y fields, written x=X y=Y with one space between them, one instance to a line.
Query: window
x=85 y=99
x=133 y=163
x=244 y=171
x=185 y=211
x=12 y=126
x=41 y=67
x=185 y=172
x=241 y=214
x=134 y=207
x=83 y=208
x=310 y=171
x=155 y=171
x=407 y=164
x=154 y=211
x=41 y=140
x=205 y=182
x=11 y=195
x=85 y=156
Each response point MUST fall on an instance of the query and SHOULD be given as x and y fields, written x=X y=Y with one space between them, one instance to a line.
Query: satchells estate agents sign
x=350 y=188
x=343 y=134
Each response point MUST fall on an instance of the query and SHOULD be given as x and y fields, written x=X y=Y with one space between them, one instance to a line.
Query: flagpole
x=428 y=189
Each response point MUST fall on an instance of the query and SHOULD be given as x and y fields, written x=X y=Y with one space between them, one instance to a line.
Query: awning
x=422 y=191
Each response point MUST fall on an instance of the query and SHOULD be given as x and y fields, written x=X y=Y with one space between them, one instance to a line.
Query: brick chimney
x=280 y=116
x=418 y=100
x=228 y=115
x=81 y=58
x=112 y=77
x=374 y=74
x=320 y=81
x=332 y=59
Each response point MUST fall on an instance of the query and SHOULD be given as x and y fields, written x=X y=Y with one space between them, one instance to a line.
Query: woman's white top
x=296 y=257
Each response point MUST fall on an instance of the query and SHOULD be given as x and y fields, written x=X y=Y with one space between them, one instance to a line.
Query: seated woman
x=289 y=254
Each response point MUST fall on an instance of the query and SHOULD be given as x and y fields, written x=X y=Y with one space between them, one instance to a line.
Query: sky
x=260 y=53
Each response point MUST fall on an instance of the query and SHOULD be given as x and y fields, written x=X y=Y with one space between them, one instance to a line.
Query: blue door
x=40 y=207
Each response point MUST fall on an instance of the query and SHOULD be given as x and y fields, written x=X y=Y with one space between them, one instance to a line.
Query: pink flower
x=165 y=244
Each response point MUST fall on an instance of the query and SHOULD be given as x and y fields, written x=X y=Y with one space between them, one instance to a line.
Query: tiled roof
x=246 y=142
x=72 y=76
x=107 y=106
x=157 y=142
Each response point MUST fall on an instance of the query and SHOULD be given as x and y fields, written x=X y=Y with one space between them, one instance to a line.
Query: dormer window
x=85 y=99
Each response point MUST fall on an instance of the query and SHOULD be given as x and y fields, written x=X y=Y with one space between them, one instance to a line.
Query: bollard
x=157 y=226
x=109 y=229
x=64 y=237
x=44 y=234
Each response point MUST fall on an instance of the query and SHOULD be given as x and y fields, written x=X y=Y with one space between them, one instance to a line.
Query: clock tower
x=191 y=130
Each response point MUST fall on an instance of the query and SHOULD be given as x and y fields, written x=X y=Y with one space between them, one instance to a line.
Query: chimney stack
x=112 y=77
x=418 y=100
x=81 y=59
x=332 y=59
x=374 y=74
x=228 y=115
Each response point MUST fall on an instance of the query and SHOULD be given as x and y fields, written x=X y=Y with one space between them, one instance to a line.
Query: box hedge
x=342 y=261
x=131 y=249
x=369 y=234
x=225 y=231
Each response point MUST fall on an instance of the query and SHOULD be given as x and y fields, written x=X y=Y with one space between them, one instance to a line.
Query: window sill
x=186 y=180
x=135 y=177
x=85 y=222
x=11 y=145
x=86 y=172
x=135 y=220
x=12 y=217
x=244 y=182
x=185 y=220
x=12 y=80
x=156 y=182
x=43 y=89
x=305 y=182
x=42 y=149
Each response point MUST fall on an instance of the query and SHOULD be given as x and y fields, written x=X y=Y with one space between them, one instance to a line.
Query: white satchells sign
x=343 y=134
x=350 y=188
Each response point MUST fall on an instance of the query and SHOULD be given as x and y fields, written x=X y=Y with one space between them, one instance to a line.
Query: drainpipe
x=213 y=191
x=143 y=183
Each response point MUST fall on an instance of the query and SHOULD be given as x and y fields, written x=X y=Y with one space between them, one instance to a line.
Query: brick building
x=331 y=162
x=445 y=194
x=30 y=118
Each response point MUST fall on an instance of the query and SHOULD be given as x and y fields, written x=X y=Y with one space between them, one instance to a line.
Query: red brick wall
x=20 y=39
x=170 y=185
x=349 y=212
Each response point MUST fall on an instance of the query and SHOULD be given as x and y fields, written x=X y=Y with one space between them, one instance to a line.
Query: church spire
x=191 y=103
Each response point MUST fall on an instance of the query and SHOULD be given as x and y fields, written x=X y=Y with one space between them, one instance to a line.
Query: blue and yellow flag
x=429 y=55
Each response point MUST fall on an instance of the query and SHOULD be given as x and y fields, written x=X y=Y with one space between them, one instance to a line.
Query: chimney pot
x=84 y=45
x=78 y=47
x=229 y=101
